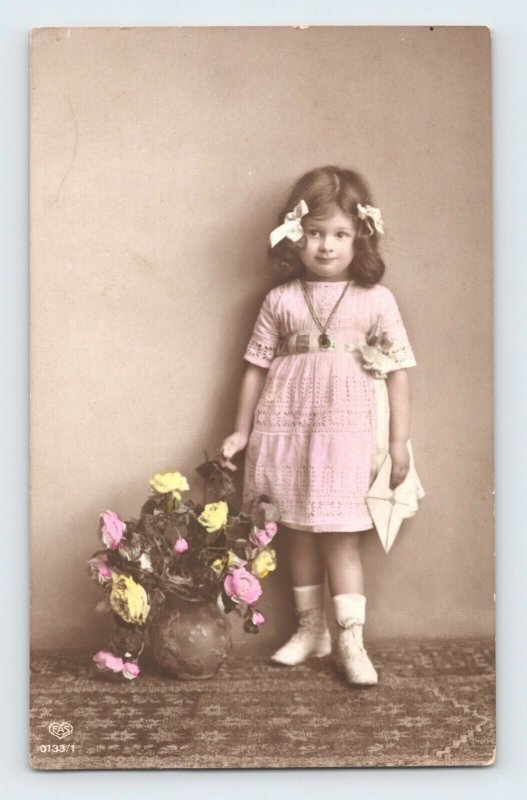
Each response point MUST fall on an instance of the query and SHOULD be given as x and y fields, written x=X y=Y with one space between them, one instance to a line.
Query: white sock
x=308 y=597
x=350 y=609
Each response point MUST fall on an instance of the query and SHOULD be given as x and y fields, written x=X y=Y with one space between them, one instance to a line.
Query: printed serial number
x=57 y=748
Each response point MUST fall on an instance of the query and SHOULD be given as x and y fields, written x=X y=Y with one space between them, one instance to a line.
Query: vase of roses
x=172 y=576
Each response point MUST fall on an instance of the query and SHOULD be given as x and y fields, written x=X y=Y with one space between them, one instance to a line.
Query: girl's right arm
x=251 y=388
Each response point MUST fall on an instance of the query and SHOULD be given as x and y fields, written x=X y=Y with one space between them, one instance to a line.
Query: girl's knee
x=348 y=543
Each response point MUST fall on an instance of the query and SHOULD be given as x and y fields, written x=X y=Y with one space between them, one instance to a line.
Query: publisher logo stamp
x=60 y=729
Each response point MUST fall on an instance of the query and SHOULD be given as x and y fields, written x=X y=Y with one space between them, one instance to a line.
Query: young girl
x=318 y=417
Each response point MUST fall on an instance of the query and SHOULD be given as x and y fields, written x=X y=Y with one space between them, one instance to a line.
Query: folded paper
x=389 y=507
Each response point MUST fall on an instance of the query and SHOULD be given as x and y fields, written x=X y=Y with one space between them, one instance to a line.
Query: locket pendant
x=323 y=340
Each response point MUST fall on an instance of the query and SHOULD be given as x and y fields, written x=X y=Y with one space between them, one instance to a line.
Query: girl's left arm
x=399 y=399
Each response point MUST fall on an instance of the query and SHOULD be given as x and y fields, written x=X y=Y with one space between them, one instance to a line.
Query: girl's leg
x=341 y=553
x=305 y=562
x=312 y=638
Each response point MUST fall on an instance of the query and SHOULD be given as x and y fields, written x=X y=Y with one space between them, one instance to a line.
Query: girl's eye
x=338 y=235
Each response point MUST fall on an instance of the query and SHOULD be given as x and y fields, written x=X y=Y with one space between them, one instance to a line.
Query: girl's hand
x=230 y=446
x=400 y=463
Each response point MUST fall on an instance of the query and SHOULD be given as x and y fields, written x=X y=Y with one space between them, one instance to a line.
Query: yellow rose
x=264 y=563
x=129 y=599
x=172 y=482
x=214 y=516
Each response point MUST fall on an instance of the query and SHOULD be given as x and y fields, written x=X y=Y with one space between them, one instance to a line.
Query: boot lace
x=352 y=648
x=310 y=623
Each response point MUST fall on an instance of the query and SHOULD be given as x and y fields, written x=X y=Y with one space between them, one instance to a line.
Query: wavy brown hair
x=320 y=188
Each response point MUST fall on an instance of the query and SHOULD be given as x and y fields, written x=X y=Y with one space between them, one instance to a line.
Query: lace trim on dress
x=299 y=404
x=308 y=422
x=403 y=356
x=317 y=496
x=259 y=350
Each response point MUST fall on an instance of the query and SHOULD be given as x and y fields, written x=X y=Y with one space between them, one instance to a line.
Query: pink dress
x=320 y=429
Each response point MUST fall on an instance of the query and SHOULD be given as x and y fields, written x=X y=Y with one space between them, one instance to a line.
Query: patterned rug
x=434 y=705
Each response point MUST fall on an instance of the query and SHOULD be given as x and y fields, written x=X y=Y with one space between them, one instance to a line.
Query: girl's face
x=328 y=248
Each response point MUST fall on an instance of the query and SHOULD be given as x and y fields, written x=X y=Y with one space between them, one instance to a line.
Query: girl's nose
x=325 y=244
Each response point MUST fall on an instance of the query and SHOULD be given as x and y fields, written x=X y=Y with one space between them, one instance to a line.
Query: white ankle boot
x=351 y=657
x=312 y=638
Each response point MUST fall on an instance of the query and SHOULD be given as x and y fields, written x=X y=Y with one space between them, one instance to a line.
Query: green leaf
x=272 y=513
x=250 y=627
x=228 y=604
x=179 y=580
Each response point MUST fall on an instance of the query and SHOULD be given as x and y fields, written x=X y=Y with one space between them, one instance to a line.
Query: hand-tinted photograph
x=262 y=528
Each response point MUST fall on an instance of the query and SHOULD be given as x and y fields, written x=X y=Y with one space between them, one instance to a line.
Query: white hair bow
x=291 y=228
x=374 y=214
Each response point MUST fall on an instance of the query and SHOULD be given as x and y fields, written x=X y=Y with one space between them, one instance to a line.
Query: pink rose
x=112 y=529
x=257 y=618
x=99 y=568
x=130 y=670
x=242 y=586
x=108 y=661
x=181 y=546
x=260 y=537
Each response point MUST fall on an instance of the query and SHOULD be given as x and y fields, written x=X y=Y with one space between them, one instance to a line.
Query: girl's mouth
x=324 y=260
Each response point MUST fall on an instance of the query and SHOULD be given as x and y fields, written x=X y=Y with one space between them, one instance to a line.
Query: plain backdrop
x=159 y=161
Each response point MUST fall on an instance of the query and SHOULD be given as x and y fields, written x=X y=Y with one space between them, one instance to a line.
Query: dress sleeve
x=390 y=321
x=261 y=349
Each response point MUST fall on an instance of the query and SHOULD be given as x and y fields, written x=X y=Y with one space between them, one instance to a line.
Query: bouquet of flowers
x=181 y=549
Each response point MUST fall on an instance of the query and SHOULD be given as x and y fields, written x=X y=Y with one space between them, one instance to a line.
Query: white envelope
x=388 y=507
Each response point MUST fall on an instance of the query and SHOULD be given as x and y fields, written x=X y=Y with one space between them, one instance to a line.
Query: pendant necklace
x=323 y=340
